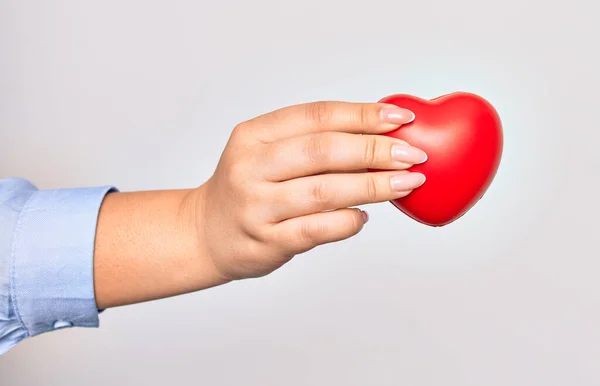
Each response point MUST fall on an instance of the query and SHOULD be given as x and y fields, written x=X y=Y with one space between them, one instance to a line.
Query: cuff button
x=61 y=324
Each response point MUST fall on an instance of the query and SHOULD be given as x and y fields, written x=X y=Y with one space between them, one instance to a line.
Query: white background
x=143 y=95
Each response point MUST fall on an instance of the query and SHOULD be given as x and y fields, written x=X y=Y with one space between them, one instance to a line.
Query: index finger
x=348 y=117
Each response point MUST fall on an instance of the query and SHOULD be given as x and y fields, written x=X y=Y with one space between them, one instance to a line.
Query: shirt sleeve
x=46 y=259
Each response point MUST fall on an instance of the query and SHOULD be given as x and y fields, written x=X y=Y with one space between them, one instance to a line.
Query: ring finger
x=302 y=196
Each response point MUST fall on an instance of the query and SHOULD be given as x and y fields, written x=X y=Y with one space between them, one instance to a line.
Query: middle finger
x=340 y=152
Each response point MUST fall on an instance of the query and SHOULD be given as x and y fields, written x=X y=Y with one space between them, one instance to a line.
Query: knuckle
x=249 y=131
x=371 y=150
x=317 y=148
x=250 y=223
x=306 y=232
x=372 y=188
x=314 y=150
x=240 y=129
x=355 y=222
x=319 y=112
x=364 y=115
x=310 y=231
x=321 y=194
x=253 y=215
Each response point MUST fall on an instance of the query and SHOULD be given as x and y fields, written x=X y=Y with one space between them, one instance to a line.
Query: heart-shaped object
x=462 y=136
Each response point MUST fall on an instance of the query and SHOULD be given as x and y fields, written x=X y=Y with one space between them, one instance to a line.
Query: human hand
x=287 y=180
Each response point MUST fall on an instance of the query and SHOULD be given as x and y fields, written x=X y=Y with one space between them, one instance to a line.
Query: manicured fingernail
x=397 y=115
x=365 y=216
x=407 y=181
x=408 y=154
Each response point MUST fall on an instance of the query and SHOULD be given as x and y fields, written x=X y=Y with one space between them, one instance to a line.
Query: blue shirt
x=46 y=259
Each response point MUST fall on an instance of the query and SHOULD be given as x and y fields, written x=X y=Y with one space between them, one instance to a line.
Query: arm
x=286 y=182
x=147 y=248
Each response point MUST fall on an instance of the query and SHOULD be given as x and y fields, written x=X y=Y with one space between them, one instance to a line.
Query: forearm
x=147 y=248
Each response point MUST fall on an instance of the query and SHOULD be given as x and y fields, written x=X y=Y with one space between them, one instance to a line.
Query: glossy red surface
x=462 y=136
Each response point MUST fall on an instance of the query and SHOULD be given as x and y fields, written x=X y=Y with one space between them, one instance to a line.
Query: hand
x=285 y=184
x=287 y=180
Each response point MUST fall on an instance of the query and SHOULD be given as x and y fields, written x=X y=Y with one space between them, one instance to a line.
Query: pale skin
x=287 y=182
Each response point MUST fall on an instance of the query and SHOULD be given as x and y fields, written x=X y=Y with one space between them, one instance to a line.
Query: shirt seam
x=13 y=258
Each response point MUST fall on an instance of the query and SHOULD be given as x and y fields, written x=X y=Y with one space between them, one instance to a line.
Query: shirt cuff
x=52 y=276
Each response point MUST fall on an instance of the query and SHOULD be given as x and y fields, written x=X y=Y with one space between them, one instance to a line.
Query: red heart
x=462 y=136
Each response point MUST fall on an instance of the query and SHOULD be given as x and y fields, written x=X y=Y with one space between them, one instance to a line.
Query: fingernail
x=408 y=154
x=407 y=181
x=397 y=115
x=365 y=216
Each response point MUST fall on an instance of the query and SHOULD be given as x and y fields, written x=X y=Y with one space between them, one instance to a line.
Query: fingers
x=358 y=118
x=301 y=234
x=319 y=193
x=325 y=152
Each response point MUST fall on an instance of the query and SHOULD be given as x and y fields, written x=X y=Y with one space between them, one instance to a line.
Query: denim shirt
x=46 y=259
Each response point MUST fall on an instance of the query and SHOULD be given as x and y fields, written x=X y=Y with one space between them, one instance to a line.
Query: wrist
x=193 y=221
